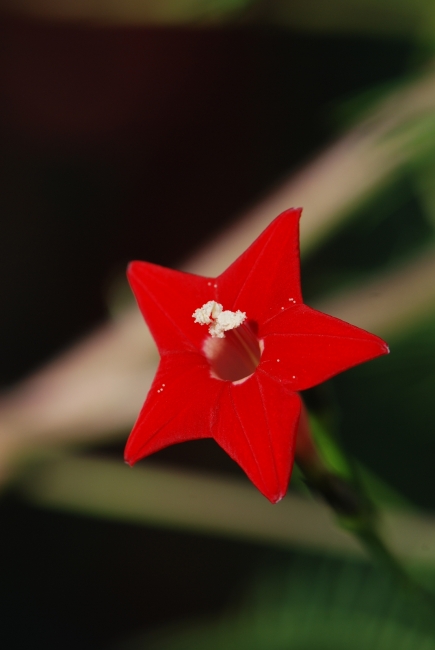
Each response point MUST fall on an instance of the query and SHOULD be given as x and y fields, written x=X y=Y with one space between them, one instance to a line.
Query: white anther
x=220 y=321
x=207 y=313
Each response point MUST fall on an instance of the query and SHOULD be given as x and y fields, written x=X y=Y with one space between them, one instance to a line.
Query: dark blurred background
x=129 y=143
x=122 y=143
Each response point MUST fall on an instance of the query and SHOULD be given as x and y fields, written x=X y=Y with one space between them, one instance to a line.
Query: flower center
x=232 y=350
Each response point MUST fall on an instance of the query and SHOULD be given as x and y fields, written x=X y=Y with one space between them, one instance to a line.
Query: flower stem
x=357 y=514
x=365 y=530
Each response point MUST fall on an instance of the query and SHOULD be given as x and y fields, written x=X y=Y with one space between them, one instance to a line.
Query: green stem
x=356 y=514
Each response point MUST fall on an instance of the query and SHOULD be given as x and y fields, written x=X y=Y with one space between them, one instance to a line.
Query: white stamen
x=211 y=313
x=207 y=313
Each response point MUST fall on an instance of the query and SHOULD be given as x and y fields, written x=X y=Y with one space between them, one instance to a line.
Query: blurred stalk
x=174 y=498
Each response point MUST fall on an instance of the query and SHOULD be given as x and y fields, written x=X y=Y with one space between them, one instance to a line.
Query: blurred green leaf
x=310 y=603
x=409 y=18
x=387 y=413
x=414 y=19
x=377 y=490
x=130 y=11
x=385 y=229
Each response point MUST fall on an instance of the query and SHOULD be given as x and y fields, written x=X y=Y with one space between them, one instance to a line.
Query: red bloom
x=238 y=381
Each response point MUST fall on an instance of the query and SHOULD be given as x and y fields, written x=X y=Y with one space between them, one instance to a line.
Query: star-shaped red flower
x=240 y=386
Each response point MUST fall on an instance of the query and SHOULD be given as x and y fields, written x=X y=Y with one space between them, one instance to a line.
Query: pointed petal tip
x=131 y=273
x=275 y=497
x=130 y=457
x=132 y=268
x=383 y=348
x=291 y=211
x=377 y=348
x=273 y=493
x=128 y=460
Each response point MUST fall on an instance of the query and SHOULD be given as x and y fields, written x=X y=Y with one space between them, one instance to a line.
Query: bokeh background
x=144 y=130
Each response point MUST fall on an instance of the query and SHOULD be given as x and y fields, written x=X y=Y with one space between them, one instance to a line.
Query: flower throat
x=232 y=349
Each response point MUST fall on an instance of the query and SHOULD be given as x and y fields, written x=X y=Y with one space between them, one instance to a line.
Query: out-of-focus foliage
x=387 y=413
x=394 y=17
x=411 y=18
x=382 y=412
x=152 y=12
x=389 y=228
x=309 y=603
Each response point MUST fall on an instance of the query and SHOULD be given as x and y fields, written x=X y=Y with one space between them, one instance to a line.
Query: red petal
x=180 y=405
x=254 y=421
x=256 y=426
x=303 y=347
x=167 y=300
x=266 y=276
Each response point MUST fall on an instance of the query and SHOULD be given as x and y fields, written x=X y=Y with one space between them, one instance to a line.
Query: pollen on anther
x=220 y=321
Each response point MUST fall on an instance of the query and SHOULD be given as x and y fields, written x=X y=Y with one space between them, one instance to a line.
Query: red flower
x=238 y=381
